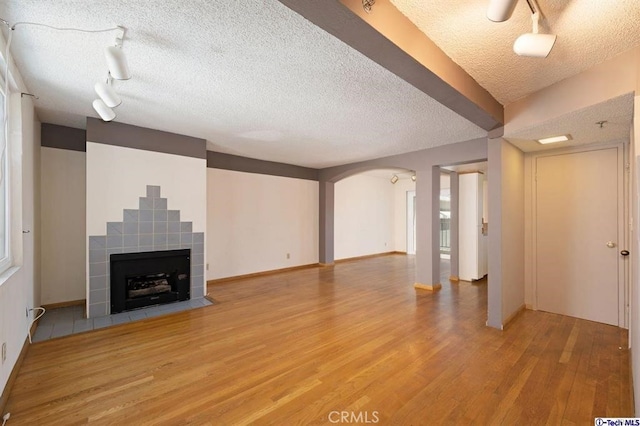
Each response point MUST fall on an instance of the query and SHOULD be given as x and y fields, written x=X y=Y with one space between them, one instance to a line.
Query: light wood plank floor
x=293 y=348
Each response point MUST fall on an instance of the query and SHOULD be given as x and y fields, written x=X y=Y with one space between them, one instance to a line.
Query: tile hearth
x=62 y=322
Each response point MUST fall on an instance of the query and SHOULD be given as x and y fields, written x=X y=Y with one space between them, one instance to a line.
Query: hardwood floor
x=304 y=346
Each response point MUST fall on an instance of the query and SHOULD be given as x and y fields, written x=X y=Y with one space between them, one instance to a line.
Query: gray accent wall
x=62 y=137
x=151 y=227
x=217 y=160
x=128 y=136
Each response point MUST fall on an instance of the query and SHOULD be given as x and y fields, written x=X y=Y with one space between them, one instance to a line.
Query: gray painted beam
x=415 y=58
x=62 y=137
x=217 y=160
x=128 y=136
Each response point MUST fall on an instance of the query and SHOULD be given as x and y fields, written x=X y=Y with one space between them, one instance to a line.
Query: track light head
x=500 y=10
x=413 y=177
x=394 y=178
x=117 y=63
x=107 y=94
x=534 y=45
x=103 y=110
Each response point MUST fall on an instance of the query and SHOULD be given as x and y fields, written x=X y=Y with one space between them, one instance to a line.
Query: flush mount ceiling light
x=501 y=10
x=554 y=139
x=394 y=178
x=534 y=44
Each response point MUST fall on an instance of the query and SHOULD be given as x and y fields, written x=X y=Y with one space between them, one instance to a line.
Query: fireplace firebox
x=149 y=278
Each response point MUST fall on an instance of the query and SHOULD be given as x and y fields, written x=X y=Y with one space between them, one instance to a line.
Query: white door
x=578 y=234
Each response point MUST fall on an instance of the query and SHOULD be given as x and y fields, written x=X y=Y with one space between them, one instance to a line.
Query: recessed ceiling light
x=555 y=139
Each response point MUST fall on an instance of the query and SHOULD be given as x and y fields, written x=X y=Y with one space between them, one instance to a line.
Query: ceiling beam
x=389 y=38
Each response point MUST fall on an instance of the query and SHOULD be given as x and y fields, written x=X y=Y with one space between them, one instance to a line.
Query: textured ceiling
x=581 y=125
x=251 y=77
x=589 y=32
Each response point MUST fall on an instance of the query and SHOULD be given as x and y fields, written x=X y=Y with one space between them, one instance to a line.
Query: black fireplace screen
x=149 y=278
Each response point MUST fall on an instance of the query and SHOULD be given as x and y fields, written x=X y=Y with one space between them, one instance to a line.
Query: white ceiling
x=589 y=32
x=251 y=77
x=581 y=125
x=255 y=79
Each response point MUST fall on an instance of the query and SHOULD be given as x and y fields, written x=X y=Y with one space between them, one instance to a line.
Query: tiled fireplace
x=152 y=227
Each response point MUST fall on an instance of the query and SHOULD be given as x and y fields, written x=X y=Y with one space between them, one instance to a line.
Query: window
x=5 y=258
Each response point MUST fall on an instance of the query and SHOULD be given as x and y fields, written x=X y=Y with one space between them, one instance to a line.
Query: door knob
x=611 y=244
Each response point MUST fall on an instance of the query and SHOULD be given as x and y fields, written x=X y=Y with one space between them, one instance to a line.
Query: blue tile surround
x=152 y=227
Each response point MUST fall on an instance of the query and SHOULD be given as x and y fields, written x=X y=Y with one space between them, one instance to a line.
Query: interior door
x=578 y=234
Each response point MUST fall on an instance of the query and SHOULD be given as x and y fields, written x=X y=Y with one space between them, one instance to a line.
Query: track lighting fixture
x=107 y=94
x=500 y=10
x=394 y=178
x=534 y=44
x=103 y=110
x=119 y=70
x=413 y=177
x=116 y=61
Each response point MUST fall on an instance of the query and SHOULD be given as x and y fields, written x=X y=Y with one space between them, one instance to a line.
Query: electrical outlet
x=4 y=352
x=288 y=256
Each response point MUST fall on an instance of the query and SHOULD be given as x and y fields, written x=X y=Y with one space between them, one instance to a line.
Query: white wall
x=63 y=199
x=364 y=216
x=18 y=288
x=255 y=220
x=512 y=215
x=506 y=232
x=117 y=177
x=400 y=213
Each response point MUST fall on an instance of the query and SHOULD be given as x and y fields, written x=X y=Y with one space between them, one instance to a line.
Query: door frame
x=623 y=219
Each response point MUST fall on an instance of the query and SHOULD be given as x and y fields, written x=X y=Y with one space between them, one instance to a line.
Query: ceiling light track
x=116 y=63
x=367 y=5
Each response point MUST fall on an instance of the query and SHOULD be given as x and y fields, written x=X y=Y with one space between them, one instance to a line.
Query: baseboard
x=513 y=316
x=81 y=302
x=432 y=287
x=326 y=264
x=529 y=307
x=369 y=256
x=261 y=274
x=454 y=278
x=12 y=377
